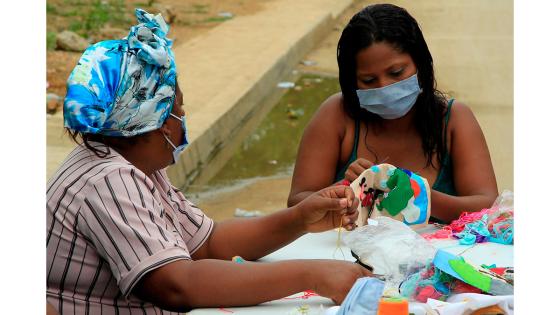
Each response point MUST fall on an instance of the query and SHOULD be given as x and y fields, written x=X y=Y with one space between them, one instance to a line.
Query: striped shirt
x=108 y=224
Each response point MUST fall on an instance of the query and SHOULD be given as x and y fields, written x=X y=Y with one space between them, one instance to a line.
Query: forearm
x=448 y=208
x=217 y=283
x=220 y=283
x=253 y=238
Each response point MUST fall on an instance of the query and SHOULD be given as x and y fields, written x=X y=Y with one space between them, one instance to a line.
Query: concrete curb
x=219 y=125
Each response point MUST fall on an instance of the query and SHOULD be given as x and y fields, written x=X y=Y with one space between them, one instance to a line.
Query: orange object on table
x=490 y=310
x=392 y=306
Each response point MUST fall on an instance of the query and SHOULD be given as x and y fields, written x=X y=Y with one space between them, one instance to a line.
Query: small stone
x=309 y=62
x=70 y=41
x=286 y=85
x=53 y=103
x=227 y=15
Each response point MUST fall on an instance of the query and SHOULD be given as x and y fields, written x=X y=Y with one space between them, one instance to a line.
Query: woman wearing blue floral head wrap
x=120 y=237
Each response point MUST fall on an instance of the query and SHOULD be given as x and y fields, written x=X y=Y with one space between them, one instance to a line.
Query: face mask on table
x=363 y=297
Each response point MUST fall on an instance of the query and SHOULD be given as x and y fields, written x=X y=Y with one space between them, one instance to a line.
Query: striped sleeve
x=124 y=220
x=195 y=225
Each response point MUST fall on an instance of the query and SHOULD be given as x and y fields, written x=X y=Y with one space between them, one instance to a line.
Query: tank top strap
x=446 y=121
x=353 y=155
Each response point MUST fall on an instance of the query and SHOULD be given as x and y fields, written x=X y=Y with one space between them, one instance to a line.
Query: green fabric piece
x=488 y=266
x=400 y=194
x=470 y=275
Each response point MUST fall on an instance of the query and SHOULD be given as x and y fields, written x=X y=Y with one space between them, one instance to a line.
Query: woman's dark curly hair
x=394 y=25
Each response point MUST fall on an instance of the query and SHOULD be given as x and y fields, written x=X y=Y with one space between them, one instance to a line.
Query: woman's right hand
x=335 y=278
x=356 y=168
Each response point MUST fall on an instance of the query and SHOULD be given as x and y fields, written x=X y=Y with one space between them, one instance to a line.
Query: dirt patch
x=97 y=20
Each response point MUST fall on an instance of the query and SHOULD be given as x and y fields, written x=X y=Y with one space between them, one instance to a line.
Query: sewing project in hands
x=386 y=190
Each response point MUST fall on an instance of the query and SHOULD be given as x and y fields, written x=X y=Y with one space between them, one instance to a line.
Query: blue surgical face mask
x=184 y=141
x=363 y=297
x=391 y=101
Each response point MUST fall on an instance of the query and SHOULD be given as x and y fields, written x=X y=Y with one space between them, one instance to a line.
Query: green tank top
x=444 y=182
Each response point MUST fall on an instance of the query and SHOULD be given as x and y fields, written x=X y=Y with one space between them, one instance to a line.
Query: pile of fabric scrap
x=450 y=274
x=487 y=225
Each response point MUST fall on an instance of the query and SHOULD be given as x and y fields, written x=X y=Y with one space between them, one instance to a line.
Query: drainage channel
x=262 y=164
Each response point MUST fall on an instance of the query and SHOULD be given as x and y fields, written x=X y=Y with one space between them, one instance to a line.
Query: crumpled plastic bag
x=392 y=248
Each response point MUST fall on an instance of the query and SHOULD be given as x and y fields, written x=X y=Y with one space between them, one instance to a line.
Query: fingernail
x=343 y=203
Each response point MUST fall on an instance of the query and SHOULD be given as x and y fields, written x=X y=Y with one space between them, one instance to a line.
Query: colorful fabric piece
x=123 y=87
x=474 y=275
x=487 y=225
x=428 y=283
x=494 y=224
x=390 y=191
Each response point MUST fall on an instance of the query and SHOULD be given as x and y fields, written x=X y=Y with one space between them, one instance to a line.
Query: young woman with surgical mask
x=389 y=111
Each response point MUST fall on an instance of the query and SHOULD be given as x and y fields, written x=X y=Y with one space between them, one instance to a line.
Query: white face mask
x=391 y=101
x=184 y=141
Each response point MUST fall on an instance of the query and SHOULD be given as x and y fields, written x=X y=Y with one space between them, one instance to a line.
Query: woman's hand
x=335 y=278
x=324 y=209
x=356 y=168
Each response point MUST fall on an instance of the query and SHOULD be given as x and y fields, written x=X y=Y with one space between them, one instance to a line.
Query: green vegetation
x=88 y=16
x=272 y=148
x=216 y=19
x=199 y=9
x=51 y=40
x=51 y=9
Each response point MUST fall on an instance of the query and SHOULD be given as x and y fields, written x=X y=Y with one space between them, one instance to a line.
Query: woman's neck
x=400 y=126
x=143 y=155
x=138 y=160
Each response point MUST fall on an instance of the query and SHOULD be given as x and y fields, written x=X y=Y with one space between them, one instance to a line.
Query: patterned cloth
x=124 y=87
x=108 y=224
x=387 y=190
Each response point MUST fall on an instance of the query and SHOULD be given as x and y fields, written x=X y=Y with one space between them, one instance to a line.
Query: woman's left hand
x=324 y=209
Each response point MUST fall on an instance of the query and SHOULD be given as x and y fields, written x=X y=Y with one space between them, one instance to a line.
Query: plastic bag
x=392 y=248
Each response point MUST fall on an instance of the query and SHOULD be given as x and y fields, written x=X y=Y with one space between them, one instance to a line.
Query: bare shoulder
x=461 y=116
x=331 y=113
x=332 y=106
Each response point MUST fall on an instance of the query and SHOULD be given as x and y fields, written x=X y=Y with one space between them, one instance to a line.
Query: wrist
x=309 y=275
x=297 y=219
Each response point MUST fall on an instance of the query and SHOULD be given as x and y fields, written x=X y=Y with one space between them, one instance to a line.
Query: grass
x=272 y=148
x=51 y=9
x=216 y=19
x=51 y=40
x=86 y=17
x=199 y=8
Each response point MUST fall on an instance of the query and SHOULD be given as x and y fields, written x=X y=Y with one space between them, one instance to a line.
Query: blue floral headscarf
x=123 y=87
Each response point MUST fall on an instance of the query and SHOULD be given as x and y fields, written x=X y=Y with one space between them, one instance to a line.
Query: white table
x=323 y=245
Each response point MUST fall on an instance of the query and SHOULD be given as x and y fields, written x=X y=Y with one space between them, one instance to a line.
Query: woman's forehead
x=379 y=56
